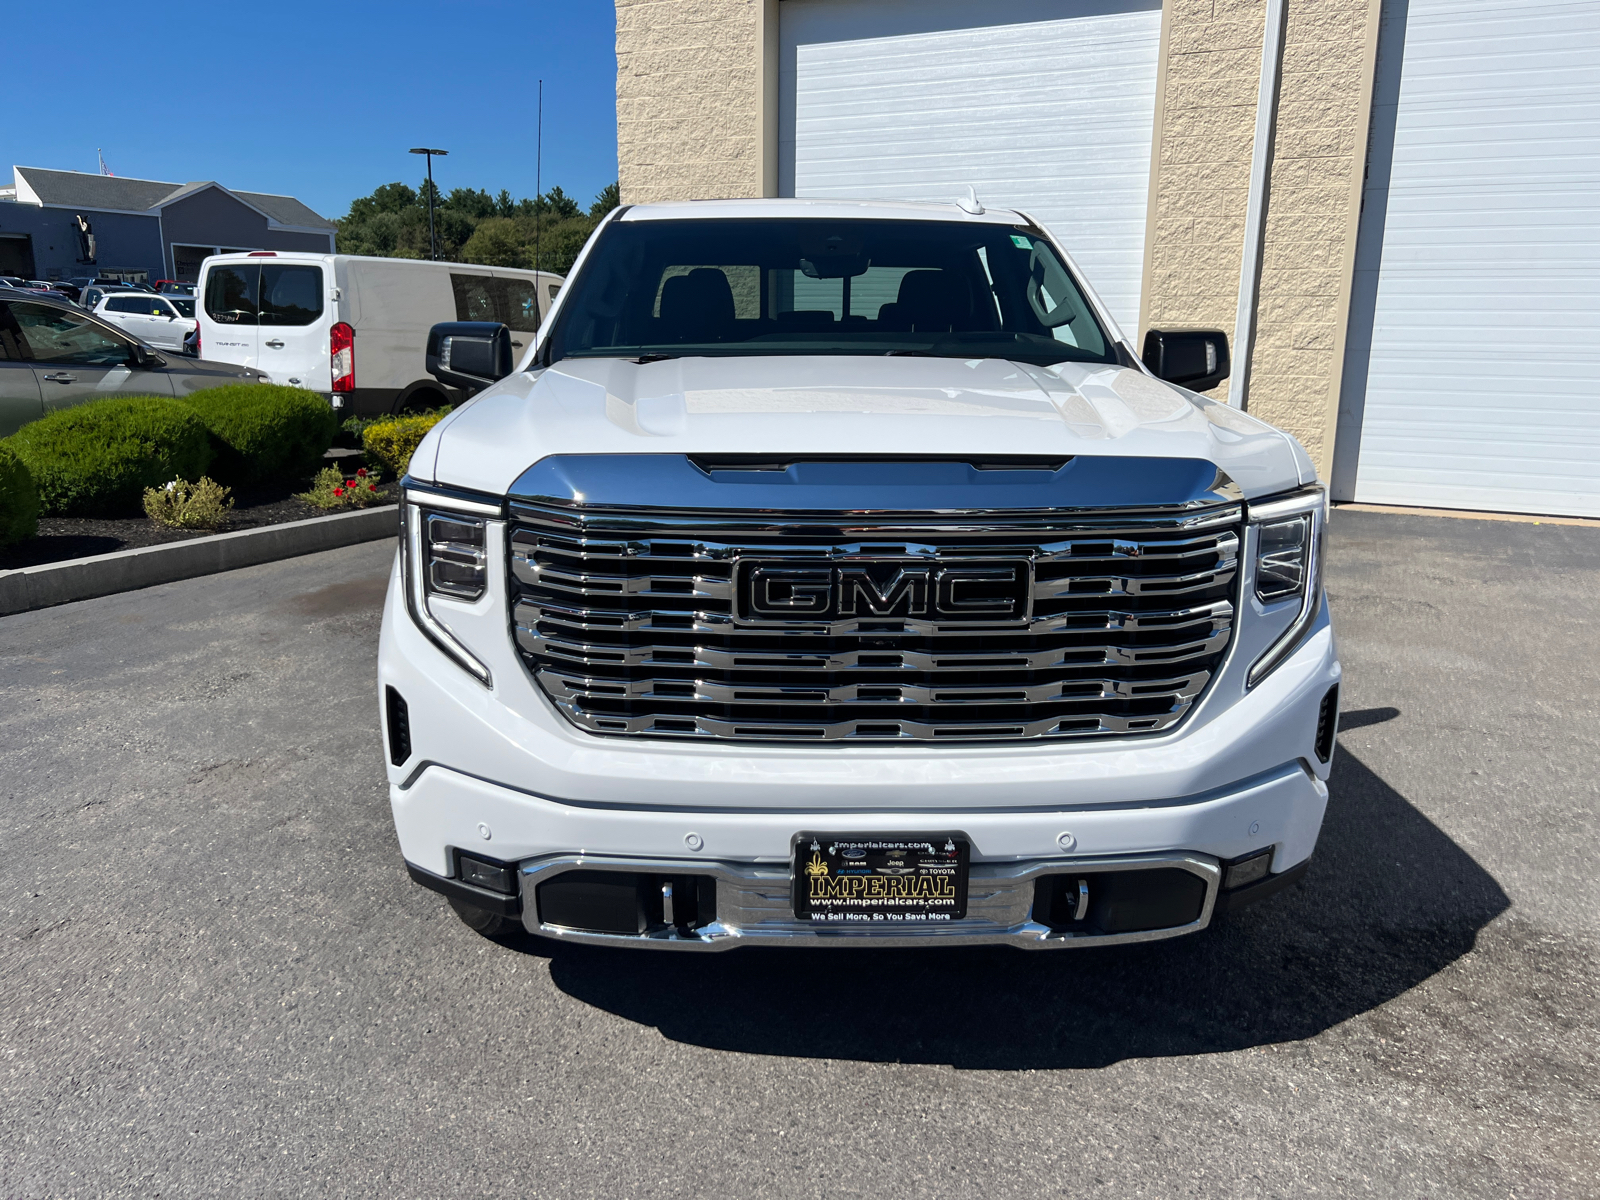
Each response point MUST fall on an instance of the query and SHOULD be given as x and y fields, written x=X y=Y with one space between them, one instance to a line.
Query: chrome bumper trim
x=754 y=905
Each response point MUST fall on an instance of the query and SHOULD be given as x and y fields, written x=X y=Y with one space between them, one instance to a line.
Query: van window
x=484 y=298
x=231 y=294
x=290 y=295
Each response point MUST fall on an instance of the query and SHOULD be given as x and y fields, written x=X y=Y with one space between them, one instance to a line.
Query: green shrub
x=182 y=505
x=265 y=430
x=392 y=442
x=19 y=499
x=96 y=460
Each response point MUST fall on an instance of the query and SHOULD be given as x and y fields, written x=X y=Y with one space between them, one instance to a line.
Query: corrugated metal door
x=1476 y=317
x=1044 y=105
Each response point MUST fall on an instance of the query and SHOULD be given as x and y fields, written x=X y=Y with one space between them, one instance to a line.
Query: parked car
x=53 y=355
x=174 y=287
x=869 y=588
x=90 y=296
x=13 y=281
x=351 y=327
x=70 y=290
x=156 y=320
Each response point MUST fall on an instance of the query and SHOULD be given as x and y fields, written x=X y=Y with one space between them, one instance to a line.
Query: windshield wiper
x=650 y=358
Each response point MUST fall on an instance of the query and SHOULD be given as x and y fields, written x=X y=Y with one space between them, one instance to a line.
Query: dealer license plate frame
x=821 y=861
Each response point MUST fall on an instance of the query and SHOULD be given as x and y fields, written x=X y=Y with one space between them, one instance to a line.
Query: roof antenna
x=969 y=202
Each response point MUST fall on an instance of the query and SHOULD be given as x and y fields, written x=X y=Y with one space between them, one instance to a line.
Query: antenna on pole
x=538 y=182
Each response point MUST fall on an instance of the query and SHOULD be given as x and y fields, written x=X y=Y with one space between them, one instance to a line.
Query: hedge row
x=19 y=499
x=97 y=459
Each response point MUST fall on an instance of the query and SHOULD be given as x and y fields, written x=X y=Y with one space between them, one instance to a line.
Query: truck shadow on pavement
x=1389 y=901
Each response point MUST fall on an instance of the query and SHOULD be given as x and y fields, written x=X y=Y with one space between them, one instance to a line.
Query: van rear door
x=230 y=330
x=295 y=316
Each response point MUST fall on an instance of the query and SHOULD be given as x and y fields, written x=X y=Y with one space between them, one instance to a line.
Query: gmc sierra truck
x=836 y=574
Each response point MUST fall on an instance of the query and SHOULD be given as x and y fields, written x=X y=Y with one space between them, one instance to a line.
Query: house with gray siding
x=64 y=224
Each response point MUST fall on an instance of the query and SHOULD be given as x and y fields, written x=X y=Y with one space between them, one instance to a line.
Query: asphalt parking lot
x=217 y=977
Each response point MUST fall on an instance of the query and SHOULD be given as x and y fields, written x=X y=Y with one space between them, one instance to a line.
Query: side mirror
x=142 y=357
x=1193 y=358
x=469 y=354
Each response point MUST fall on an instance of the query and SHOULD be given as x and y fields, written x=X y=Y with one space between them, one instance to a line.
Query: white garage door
x=1044 y=105
x=1483 y=380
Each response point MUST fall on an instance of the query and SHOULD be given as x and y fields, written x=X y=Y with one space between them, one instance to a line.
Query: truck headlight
x=1288 y=535
x=455 y=561
x=444 y=544
x=1283 y=552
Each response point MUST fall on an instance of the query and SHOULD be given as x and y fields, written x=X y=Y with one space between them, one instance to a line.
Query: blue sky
x=320 y=101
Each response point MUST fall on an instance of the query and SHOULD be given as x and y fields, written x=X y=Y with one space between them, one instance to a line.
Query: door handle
x=61 y=377
x=275 y=344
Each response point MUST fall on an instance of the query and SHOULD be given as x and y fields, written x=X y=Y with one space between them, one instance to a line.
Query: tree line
x=472 y=226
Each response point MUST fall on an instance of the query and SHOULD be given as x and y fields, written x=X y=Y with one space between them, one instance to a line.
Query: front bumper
x=498 y=773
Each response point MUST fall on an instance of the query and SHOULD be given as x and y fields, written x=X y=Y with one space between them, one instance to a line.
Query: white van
x=356 y=328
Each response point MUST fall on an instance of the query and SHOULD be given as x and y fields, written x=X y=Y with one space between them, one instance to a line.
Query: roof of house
x=78 y=189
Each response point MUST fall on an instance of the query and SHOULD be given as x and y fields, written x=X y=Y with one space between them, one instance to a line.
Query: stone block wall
x=689 y=99
x=1200 y=181
x=1319 y=156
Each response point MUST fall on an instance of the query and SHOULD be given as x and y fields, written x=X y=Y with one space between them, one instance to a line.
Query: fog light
x=492 y=876
x=1246 y=870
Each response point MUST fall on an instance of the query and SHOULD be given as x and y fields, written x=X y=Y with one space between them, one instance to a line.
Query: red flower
x=361 y=471
x=338 y=491
x=372 y=487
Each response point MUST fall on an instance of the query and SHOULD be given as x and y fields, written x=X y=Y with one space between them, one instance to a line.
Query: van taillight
x=342 y=352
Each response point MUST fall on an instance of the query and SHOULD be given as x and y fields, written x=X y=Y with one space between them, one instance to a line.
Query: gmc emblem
x=969 y=592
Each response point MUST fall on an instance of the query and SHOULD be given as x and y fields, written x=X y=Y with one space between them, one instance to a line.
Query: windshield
x=951 y=289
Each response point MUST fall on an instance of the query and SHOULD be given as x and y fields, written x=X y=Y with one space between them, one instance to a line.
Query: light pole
x=433 y=246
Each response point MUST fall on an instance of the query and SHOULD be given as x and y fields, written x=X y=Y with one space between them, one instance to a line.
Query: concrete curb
x=128 y=570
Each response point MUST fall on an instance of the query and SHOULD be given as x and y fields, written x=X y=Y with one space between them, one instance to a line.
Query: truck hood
x=897 y=407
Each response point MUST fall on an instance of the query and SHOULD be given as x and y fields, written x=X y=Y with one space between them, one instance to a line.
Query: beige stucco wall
x=1314 y=205
x=690 y=90
x=1200 y=176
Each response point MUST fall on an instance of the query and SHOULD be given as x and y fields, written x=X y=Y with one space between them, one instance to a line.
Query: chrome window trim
x=1312 y=501
x=414 y=585
x=754 y=905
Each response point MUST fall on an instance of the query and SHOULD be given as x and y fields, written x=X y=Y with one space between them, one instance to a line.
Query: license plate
x=872 y=879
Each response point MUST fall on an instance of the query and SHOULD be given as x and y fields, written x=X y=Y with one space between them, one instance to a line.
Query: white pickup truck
x=837 y=574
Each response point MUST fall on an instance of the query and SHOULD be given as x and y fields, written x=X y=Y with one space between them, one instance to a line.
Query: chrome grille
x=627 y=621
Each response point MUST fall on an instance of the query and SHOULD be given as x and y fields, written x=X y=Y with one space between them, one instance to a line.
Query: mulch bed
x=63 y=538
